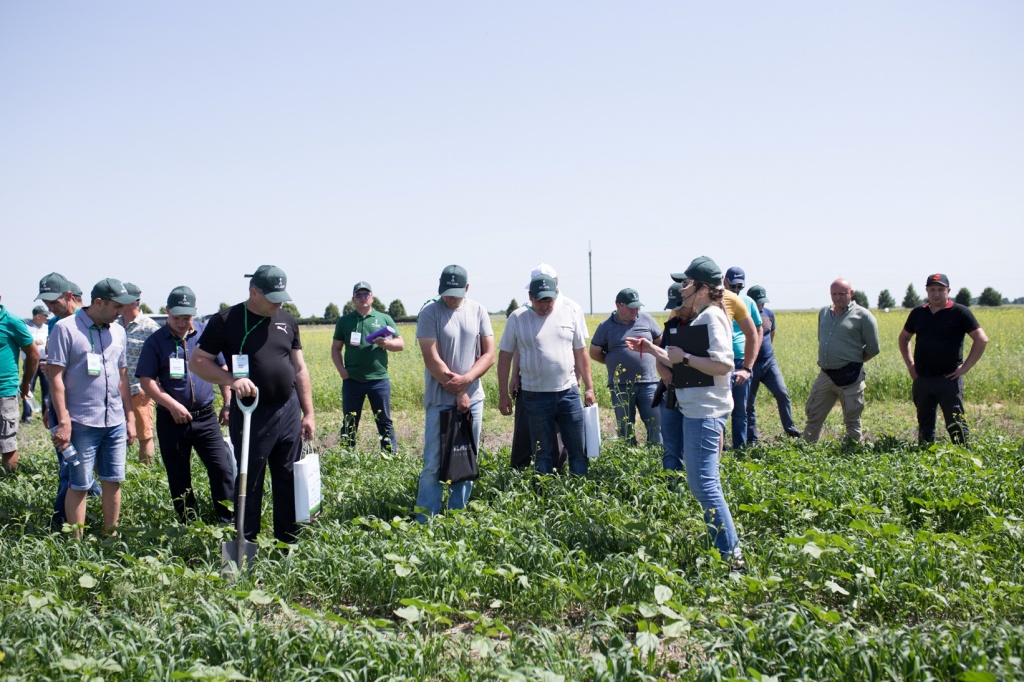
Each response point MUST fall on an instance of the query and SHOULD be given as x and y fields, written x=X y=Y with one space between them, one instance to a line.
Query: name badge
x=94 y=364
x=355 y=339
x=673 y=330
x=177 y=368
x=240 y=365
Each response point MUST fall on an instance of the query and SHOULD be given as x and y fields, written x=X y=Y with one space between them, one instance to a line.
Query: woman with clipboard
x=701 y=358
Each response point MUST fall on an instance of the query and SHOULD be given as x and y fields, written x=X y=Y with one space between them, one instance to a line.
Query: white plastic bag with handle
x=307 y=485
x=592 y=430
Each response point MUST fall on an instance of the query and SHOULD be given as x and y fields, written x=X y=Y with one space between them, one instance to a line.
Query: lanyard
x=246 y=327
x=99 y=334
x=184 y=348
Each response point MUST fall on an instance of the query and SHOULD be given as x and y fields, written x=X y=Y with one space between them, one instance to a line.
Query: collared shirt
x=137 y=331
x=545 y=344
x=14 y=336
x=190 y=390
x=627 y=367
x=845 y=337
x=90 y=400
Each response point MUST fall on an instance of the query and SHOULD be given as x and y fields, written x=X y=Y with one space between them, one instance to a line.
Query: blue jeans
x=431 y=489
x=671 y=438
x=740 y=395
x=59 y=512
x=701 y=440
x=545 y=409
x=767 y=372
x=627 y=400
x=353 y=395
x=101 y=448
x=44 y=386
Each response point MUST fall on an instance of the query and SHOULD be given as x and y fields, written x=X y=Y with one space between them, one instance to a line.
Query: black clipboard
x=695 y=339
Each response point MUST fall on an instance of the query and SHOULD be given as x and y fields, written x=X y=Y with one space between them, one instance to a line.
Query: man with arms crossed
x=457 y=342
x=938 y=366
x=87 y=360
x=847 y=338
x=262 y=344
x=552 y=352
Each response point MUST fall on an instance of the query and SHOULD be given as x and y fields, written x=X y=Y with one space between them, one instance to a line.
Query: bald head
x=842 y=293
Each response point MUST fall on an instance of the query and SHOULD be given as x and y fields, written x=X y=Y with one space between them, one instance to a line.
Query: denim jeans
x=63 y=475
x=431 y=489
x=671 y=438
x=740 y=395
x=627 y=400
x=701 y=440
x=767 y=372
x=44 y=386
x=353 y=395
x=545 y=410
x=101 y=448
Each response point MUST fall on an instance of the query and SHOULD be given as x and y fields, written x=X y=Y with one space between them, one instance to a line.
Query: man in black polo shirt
x=261 y=343
x=185 y=417
x=938 y=365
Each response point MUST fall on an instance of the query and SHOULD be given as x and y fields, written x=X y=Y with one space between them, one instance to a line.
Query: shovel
x=235 y=554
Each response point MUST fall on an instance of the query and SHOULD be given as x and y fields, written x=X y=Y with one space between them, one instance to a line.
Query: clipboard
x=695 y=339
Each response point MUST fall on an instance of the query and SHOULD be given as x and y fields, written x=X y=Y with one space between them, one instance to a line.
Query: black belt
x=199 y=413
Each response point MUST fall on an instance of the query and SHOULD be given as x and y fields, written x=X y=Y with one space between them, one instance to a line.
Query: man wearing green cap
x=185 y=416
x=261 y=343
x=14 y=338
x=363 y=366
x=137 y=327
x=767 y=372
x=89 y=390
x=457 y=342
x=632 y=377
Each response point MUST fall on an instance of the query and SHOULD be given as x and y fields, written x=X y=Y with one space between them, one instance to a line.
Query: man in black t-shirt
x=262 y=347
x=938 y=364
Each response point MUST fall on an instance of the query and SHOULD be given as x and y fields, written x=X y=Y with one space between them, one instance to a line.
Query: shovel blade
x=229 y=554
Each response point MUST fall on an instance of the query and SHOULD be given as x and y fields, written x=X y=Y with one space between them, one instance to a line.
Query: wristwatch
x=686 y=359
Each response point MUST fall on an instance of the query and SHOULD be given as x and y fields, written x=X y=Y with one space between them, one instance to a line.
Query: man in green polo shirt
x=14 y=338
x=364 y=366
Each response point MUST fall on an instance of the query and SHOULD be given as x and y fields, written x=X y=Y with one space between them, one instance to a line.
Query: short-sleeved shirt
x=735 y=308
x=190 y=390
x=364 y=361
x=458 y=332
x=90 y=400
x=578 y=311
x=137 y=331
x=268 y=341
x=768 y=326
x=624 y=365
x=14 y=335
x=739 y=339
x=702 y=402
x=939 y=348
x=545 y=344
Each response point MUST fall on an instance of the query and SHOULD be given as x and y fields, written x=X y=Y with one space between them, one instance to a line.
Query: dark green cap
x=53 y=286
x=362 y=285
x=271 y=281
x=675 y=299
x=181 y=301
x=543 y=286
x=113 y=290
x=702 y=269
x=629 y=298
x=133 y=290
x=758 y=294
x=453 y=281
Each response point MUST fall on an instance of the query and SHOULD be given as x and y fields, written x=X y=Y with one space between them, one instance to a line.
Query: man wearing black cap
x=137 y=327
x=262 y=346
x=87 y=361
x=938 y=366
x=363 y=366
x=185 y=417
x=39 y=330
x=552 y=351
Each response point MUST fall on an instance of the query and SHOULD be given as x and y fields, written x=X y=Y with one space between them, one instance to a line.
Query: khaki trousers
x=824 y=394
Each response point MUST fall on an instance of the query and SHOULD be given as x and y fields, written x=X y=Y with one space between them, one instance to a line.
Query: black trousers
x=523 y=445
x=176 y=444
x=275 y=442
x=932 y=392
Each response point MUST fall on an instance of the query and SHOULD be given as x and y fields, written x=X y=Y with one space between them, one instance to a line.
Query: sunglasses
x=366 y=295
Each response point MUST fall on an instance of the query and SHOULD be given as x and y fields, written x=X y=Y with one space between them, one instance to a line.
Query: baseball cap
x=543 y=269
x=181 y=301
x=758 y=294
x=53 y=286
x=133 y=290
x=937 y=278
x=453 y=281
x=111 y=289
x=543 y=286
x=271 y=281
x=40 y=310
x=702 y=269
x=735 y=275
x=675 y=300
x=629 y=298
x=362 y=285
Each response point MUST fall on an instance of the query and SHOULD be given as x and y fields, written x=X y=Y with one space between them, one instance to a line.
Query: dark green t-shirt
x=364 y=361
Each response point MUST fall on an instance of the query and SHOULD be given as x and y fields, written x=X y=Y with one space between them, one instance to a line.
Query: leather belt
x=202 y=411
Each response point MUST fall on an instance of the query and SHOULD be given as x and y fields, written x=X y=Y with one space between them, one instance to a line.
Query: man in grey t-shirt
x=457 y=343
x=632 y=377
x=552 y=352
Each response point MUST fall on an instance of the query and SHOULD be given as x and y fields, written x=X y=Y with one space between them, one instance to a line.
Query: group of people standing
x=107 y=364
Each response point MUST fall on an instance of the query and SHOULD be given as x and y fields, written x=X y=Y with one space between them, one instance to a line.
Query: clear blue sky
x=171 y=143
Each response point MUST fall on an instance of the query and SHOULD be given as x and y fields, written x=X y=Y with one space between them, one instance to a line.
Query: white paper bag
x=307 y=488
x=592 y=430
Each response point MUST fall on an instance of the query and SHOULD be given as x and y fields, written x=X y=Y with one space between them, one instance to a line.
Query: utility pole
x=590 y=263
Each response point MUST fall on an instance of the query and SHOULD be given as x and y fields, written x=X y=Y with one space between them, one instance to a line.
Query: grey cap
x=362 y=285
x=181 y=301
x=543 y=286
x=629 y=298
x=271 y=281
x=111 y=289
x=40 y=310
x=453 y=281
x=133 y=289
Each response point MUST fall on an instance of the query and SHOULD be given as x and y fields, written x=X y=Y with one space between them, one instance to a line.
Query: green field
x=879 y=562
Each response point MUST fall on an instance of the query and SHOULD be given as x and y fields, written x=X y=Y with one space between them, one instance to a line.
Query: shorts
x=101 y=448
x=10 y=412
x=142 y=415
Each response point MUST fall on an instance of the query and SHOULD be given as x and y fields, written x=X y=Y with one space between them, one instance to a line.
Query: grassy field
x=880 y=562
